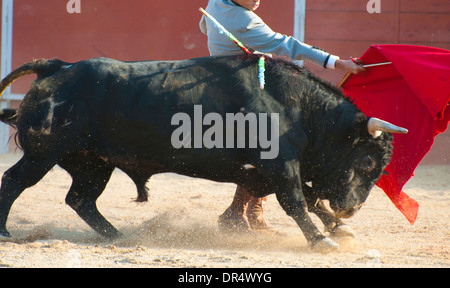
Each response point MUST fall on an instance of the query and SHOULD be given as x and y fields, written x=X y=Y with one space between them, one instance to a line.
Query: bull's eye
x=367 y=164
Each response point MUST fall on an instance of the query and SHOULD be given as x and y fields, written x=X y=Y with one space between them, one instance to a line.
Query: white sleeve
x=331 y=64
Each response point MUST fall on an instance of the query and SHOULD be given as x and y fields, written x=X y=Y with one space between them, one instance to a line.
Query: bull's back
x=123 y=110
x=142 y=97
x=135 y=111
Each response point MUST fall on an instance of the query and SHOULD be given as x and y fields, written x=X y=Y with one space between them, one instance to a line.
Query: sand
x=178 y=227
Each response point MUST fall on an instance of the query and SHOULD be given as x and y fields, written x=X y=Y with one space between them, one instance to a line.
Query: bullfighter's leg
x=235 y=217
x=89 y=180
x=25 y=173
x=255 y=213
x=245 y=213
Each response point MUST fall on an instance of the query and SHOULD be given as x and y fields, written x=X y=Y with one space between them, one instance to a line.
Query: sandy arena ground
x=178 y=228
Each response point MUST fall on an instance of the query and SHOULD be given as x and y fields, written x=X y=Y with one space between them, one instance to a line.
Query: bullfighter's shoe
x=245 y=214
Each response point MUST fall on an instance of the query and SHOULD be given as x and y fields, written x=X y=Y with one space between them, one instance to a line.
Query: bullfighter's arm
x=258 y=36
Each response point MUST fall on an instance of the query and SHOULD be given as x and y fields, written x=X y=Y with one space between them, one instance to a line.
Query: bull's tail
x=42 y=67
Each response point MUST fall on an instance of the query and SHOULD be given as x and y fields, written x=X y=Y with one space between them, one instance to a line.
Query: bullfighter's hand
x=349 y=66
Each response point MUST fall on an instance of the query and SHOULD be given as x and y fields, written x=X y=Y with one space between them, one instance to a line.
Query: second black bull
x=92 y=116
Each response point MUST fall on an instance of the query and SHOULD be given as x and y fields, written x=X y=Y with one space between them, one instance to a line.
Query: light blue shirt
x=251 y=30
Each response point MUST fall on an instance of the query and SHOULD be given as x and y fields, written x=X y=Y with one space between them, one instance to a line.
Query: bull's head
x=347 y=185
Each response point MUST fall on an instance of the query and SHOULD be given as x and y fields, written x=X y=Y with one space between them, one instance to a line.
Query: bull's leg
x=297 y=209
x=327 y=218
x=90 y=176
x=290 y=196
x=334 y=225
x=140 y=180
x=317 y=207
x=22 y=175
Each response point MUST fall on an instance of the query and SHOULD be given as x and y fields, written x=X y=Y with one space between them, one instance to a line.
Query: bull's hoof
x=342 y=231
x=326 y=245
x=112 y=235
x=4 y=234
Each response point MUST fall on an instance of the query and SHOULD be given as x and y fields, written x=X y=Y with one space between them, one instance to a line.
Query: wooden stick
x=231 y=36
x=376 y=64
x=344 y=79
x=365 y=66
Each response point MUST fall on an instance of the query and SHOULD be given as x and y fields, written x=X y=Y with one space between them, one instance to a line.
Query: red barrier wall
x=124 y=30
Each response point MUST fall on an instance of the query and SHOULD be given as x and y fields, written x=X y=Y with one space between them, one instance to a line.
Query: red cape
x=413 y=92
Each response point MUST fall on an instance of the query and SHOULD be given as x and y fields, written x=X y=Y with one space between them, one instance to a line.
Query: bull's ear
x=359 y=129
x=361 y=125
x=350 y=126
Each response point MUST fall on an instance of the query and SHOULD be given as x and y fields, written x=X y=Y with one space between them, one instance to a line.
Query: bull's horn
x=375 y=126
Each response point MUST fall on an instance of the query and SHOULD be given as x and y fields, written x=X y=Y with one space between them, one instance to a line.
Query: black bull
x=95 y=115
